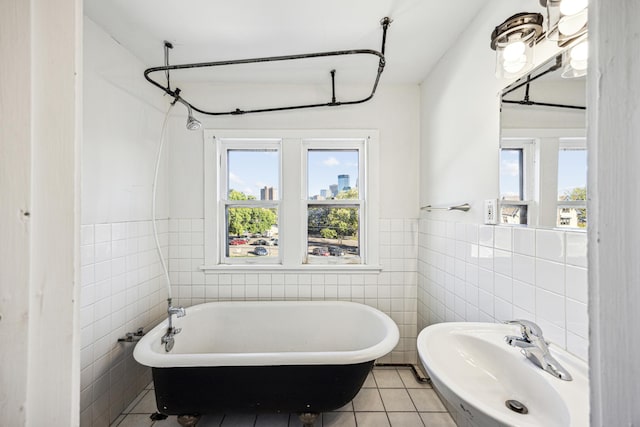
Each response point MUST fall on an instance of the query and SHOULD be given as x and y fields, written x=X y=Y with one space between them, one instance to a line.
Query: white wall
x=122 y=281
x=560 y=91
x=468 y=271
x=123 y=117
x=15 y=168
x=39 y=141
x=614 y=237
x=471 y=272
x=460 y=124
x=394 y=111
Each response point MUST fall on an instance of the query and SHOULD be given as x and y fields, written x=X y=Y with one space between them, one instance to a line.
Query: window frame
x=224 y=145
x=292 y=219
x=342 y=144
x=527 y=180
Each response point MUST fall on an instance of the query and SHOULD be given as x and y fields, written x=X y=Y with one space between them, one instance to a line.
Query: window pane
x=513 y=214
x=333 y=231
x=253 y=174
x=572 y=186
x=572 y=174
x=571 y=217
x=511 y=174
x=252 y=232
x=332 y=174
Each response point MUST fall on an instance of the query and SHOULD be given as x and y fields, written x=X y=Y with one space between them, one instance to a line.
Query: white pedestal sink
x=477 y=372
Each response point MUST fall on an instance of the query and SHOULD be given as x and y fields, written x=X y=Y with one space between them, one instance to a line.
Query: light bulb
x=513 y=51
x=571 y=7
x=515 y=66
x=579 y=65
x=570 y=25
x=580 y=52
x=579 y=55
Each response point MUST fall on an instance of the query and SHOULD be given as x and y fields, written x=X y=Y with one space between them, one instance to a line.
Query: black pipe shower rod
x=545 y=104
x=175 y=93
x=527 y=83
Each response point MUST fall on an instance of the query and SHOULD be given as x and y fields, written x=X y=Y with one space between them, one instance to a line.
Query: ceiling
x=215 y=30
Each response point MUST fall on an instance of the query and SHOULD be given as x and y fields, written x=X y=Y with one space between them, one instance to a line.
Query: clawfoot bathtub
x=294 y=357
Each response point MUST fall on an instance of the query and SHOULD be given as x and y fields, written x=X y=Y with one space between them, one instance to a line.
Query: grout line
x=414 y=404
x=354 y=413
x=135 y=402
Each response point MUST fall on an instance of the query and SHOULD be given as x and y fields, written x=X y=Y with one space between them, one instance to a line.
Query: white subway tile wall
x=393 y=290
x=123 y=289
x=471 y=272
x=432 y=271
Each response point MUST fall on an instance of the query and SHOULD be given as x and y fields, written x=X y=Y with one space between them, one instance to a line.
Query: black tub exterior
x=254 y=389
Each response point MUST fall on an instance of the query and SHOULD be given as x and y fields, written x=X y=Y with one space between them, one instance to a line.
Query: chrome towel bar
x=464 y=207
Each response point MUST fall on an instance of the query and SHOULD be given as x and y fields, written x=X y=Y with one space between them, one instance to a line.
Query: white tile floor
x=390 y=397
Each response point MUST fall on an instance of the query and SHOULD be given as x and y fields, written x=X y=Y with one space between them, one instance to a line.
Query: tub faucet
x=168 y=338
x=535 y=348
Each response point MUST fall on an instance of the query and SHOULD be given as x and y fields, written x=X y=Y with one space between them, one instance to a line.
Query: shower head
x=192 y=122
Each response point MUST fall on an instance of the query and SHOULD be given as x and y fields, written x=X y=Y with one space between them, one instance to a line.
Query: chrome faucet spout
x=168 y=338
x=178 y=311
x=535 y=348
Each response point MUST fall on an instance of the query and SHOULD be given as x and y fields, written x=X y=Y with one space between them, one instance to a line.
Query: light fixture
x=566 y=19
x=515 y=39
x=514 y=42
x=567 y=25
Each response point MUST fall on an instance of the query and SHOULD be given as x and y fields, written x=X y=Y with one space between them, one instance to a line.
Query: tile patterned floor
x=390 y=397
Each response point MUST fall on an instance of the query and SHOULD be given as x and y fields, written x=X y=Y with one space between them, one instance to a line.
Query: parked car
x=320 y=251
x=237 y=242
x=260 y=251
x=274 y=242
x=260 y=242
x=336 y=251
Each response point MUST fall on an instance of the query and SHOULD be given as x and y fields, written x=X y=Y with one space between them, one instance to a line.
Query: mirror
x=543 y=157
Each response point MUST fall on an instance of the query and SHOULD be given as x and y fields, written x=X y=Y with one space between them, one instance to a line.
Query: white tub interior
x=268 y=333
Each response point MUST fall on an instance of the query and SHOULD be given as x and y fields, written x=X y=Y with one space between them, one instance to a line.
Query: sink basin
x=477 y=372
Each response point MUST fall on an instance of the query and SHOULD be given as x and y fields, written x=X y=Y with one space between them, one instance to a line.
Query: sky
x=325 y=166
x=249 y=171
x=572 y=171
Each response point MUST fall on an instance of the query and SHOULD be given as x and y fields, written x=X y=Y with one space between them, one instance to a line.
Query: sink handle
x=528 y=328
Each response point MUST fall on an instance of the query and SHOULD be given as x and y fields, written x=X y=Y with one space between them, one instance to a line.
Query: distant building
x=268 y=193
x=343 y=182
x=334 y=189
x=323 y=193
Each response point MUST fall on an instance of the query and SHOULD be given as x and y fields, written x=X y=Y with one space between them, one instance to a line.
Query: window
x=249 y=184
x=335 y=201
x=289 y=199
x=515 y=190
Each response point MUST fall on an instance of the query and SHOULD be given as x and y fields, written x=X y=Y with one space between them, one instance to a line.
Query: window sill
x=314 y=268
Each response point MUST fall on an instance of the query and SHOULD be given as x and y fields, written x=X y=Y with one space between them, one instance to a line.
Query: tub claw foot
x=188 y=420
x=308 y=418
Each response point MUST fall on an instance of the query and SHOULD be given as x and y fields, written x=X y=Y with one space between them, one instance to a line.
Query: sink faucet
x=167 y=338
x=533 y=345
